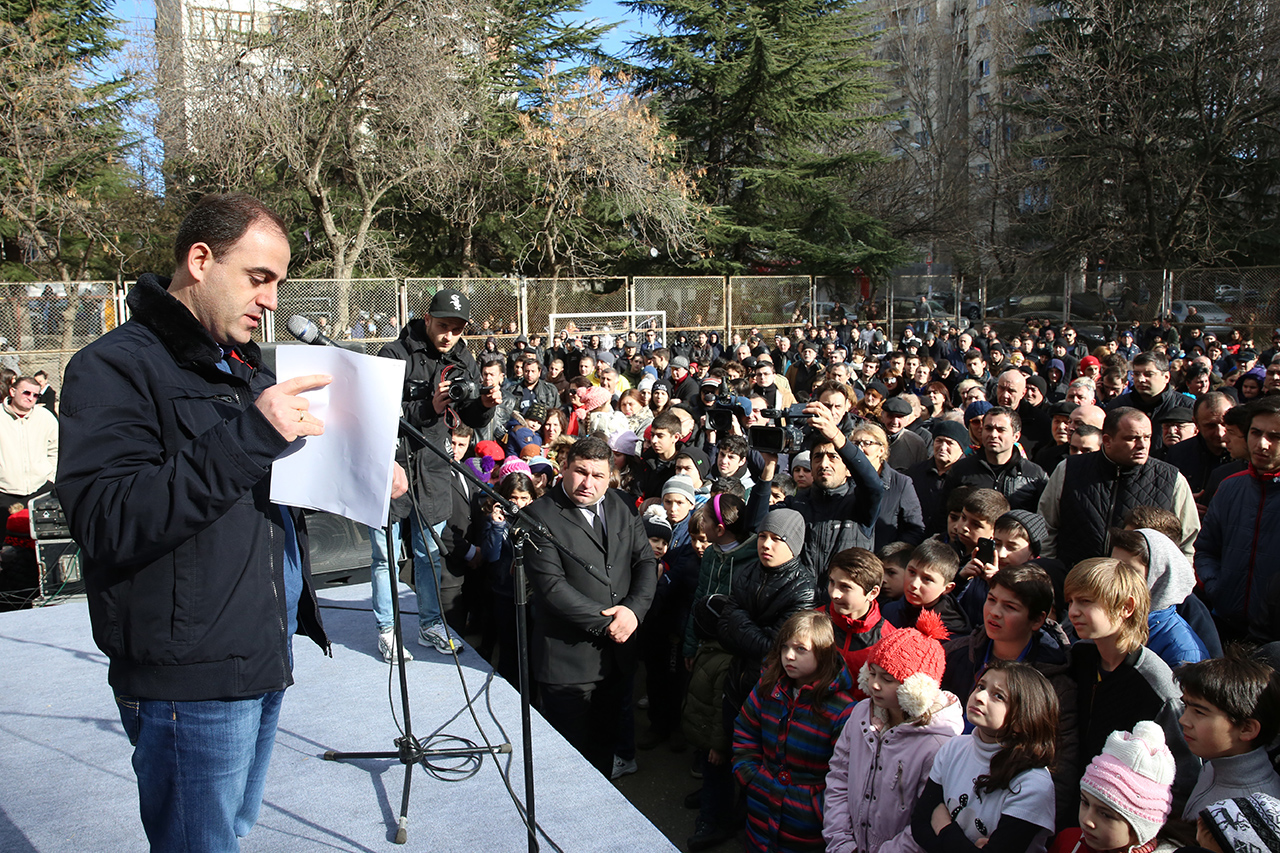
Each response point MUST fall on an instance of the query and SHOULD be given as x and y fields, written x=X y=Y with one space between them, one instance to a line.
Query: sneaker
x=440 y=638
x=387 y=645
x=623 y=767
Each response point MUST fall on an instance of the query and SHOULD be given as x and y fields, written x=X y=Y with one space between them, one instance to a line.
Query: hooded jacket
x=782 y=746
x=1171 y=579
x=877 y=775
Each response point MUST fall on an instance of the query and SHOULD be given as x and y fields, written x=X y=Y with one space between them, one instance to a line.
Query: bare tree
x=361 y=105
x=602 y=179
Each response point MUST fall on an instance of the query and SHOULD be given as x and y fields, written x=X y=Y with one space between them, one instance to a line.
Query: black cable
x=466 y=693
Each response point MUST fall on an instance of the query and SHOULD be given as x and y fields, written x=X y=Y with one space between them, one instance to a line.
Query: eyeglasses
x=29 y=393
x=864 y=443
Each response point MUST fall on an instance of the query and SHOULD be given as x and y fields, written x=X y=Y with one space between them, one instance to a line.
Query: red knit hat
x=914 y=657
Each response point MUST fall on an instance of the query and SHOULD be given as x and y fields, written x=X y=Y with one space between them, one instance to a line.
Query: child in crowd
x=731 y=548
x=1240 y=824
x=1120 y=682
x=1015 y=627
x=1232 y=715
x=693 y=463
x=992 y=789
x=661 y=634
x=955 y=514
x=853 y=582
x=731 y=460
x=498 y=646
x=678 y=503
x=802 y=471
x=979 y=511
x=894 y=557
x=1191 y=608
x=786 y=732
x=1170 y=578
x=780 y=489
x=660 y=456
x=1017 y=535
x=927 y=585
x=1125 y=796
x=886 y=751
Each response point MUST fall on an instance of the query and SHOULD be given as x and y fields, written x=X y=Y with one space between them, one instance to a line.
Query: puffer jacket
x=877 y=775
x=702 y=718
x=761 y=600
x=782 y=745
x=1238 y=550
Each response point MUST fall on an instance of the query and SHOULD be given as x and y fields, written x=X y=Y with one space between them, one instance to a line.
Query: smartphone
x=986 y=550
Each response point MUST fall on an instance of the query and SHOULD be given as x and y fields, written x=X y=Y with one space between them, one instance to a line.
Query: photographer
x=840 y=509
x=443 y=388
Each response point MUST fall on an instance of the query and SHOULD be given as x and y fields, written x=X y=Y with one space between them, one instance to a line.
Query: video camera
x=720 y=416
x=784 y=438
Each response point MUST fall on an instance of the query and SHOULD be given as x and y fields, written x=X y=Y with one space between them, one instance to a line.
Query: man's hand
x=440 y=402
x=491 y=396
x=769 y=468
x=399 y=482
x=624 y=622
x=287 y=412
x=824 y=421
x=1201 y=508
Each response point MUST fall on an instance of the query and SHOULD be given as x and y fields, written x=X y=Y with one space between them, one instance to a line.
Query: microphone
x=308 y=332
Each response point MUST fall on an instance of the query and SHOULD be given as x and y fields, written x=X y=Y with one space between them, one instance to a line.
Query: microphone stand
x=408 y=751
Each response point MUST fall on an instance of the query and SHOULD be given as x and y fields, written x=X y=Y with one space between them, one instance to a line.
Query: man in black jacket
x=1001 y=465
x=585 y=616
x=437 y=360
x=1152 y=394
x=196 y=580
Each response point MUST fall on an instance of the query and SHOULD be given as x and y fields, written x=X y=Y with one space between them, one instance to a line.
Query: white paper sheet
x=346 y=471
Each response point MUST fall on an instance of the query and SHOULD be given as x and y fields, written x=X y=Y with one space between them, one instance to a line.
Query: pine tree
x=770 y=101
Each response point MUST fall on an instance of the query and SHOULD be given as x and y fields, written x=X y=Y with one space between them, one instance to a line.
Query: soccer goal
x=609 y=325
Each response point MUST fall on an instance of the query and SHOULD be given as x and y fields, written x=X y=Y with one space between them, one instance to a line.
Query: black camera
x=789 y=435
x=720 y=416
x=463 y=391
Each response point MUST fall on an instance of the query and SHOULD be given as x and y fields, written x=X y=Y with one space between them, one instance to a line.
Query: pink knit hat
x=511 y=466
x=594 y=397
x=1134 y=776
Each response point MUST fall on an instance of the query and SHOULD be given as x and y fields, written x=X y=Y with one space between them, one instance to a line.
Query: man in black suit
x=586 y=617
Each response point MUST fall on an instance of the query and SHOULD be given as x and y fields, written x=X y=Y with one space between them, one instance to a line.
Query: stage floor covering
x=68 y=783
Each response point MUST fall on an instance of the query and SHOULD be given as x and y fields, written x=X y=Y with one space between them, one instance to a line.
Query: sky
x=142 y=13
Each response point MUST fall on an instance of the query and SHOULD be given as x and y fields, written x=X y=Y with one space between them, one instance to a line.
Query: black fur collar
x=151 y=304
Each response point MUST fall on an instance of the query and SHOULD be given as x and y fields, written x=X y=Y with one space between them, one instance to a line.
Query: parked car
x=1215 y=319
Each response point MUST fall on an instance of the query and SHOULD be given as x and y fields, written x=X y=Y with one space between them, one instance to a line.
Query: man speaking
x=196 y=581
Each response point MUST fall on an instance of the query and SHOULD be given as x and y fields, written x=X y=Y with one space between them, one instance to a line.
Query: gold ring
x=302 y=416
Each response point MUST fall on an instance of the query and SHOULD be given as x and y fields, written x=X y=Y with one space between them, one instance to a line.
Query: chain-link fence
x=42 y=324
x=364 y=309
x=692 y=303
x=769 y=302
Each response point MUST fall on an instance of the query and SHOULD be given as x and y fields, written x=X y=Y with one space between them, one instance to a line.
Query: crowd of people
x=941 y=592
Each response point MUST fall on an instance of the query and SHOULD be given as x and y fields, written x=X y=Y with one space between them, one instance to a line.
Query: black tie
x=597 y=524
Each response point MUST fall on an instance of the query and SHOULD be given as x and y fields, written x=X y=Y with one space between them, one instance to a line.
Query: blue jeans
x=426 y=573
x=201 y=767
